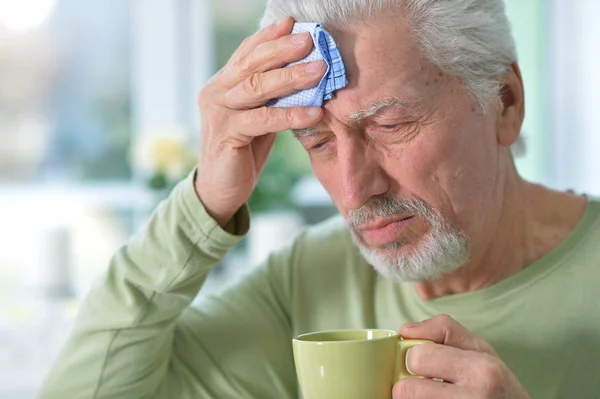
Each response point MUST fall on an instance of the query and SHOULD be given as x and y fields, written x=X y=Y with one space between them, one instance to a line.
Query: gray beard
x=442 y=250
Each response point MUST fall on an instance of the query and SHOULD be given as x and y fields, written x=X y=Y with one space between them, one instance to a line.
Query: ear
x=512 y=113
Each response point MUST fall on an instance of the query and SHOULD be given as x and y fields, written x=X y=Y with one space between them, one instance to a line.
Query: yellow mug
x=351 y=364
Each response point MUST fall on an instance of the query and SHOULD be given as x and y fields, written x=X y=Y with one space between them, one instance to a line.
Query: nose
x=362 y=175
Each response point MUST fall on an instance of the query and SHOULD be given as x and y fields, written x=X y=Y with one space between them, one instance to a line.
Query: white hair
x=468 y=39
x=442 y=250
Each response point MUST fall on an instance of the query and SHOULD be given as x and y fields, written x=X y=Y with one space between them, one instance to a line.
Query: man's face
x=412 y=180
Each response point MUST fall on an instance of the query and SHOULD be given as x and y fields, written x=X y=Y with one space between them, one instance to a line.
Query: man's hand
x=468 y=365
x=238 y=131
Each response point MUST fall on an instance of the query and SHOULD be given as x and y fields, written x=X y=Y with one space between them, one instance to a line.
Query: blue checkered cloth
x=334 y=79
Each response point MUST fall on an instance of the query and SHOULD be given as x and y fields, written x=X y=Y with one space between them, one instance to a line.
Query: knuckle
x=275 y=53
x=490 y=372
x=481 y=345
x=215 y=121
x=242 y=63
x=292 y=76
x=246 y=42
x=214 y=116
x=264 y=48
x=290 y=115
x=204 y=97
x=262 y=116
x=252 y=85
x=445 y=319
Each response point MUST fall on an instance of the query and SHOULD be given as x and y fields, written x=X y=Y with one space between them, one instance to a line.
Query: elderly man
x=415 y=153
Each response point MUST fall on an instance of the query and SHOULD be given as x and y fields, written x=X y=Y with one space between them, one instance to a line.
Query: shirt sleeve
x=136 y=335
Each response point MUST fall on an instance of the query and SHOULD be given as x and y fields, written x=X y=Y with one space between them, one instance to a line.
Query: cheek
x=416 y=169
x=448 y=167
x=465 y=174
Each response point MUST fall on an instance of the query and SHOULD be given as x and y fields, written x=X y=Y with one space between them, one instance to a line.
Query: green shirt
x=137 y=337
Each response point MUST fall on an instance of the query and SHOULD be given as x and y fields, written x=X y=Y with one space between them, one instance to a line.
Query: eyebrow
x=304 y=132
x=371 y=110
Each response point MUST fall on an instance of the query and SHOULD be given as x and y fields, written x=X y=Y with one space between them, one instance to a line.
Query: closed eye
x=317 y=142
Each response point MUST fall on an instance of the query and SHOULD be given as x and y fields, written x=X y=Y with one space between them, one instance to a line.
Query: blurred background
x=98 y=121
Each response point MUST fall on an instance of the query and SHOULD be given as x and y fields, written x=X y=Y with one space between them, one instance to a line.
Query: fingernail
x=406 y=361
x=313 y=111
x=300 y=38
x=281 y=21
x=314 y=67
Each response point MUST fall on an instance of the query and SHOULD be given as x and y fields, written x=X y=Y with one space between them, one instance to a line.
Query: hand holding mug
x=467 y=364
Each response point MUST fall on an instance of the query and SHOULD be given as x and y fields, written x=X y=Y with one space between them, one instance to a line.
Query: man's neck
x=530 y=222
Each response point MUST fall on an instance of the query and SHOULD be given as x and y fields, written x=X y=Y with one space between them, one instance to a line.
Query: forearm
x=121 y=345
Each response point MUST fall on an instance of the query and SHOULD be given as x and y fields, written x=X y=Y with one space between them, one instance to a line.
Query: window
x=65 y=176
x=66 y=101
x=82 y=82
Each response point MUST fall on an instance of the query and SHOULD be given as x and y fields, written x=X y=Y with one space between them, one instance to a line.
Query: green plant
x=287 y=164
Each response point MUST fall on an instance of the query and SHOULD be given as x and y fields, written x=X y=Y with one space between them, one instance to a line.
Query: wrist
x=222 y=217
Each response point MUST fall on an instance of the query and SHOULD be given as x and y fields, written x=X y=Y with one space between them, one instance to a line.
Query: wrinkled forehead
x=383 y=60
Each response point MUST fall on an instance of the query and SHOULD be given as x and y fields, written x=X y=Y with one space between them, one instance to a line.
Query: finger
x=445 y=330
x=264 y=120
x=274 y=31
x=422 y=388
x=227 y=75
x=459 y=366
x=267 y=56
x=258 y=89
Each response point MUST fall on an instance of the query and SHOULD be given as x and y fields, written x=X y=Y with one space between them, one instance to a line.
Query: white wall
x=575 y=95
x=172 y=54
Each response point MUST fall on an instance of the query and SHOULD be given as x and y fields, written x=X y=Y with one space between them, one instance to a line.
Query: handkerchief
x=334 y=79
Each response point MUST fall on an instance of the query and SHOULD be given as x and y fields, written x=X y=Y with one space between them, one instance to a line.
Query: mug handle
x=403 y=346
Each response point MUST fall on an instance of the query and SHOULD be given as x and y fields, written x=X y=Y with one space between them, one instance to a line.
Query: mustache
x=387 y=206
